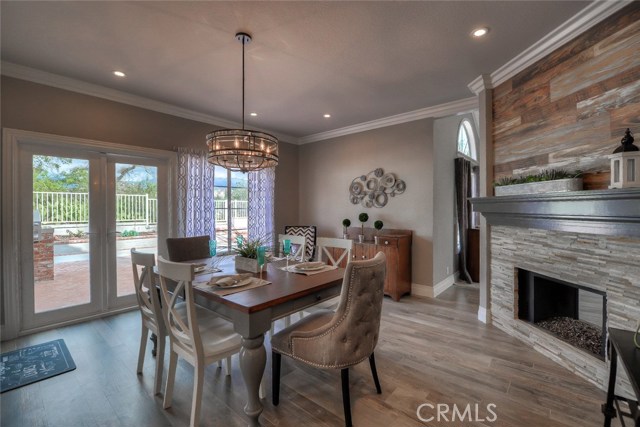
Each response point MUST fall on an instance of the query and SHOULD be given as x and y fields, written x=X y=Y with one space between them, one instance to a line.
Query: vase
x=247 y=264
x=361 y=238
x=375 y=240
x=345 y=236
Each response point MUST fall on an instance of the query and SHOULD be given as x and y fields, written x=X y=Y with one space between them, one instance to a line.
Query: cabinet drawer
x=388 y=241
x=316 y=297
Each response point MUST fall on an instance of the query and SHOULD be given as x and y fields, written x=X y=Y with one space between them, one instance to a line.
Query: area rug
x=34 y=363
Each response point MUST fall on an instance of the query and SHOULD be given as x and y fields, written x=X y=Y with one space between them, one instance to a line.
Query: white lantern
x=625 y=164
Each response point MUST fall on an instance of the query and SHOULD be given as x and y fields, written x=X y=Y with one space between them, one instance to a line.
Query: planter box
x=247 y=264
x=569 y=184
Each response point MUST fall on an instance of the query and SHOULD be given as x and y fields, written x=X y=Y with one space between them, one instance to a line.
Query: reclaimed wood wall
x=570 y=109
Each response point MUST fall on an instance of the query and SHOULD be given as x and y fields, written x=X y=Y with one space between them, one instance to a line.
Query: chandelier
x=242 y=150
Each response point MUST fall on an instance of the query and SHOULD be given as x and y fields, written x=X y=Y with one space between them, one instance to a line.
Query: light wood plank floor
x=430 y=351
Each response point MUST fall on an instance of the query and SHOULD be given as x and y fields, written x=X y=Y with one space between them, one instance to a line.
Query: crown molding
x=591 y=15
x=482 y=82
x=450 y=108
x=22 y=72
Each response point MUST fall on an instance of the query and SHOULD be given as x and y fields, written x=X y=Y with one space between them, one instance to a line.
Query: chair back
x=309 y=233
x=299 y=241
x=188 y=248
x=324 y=243
x=183 y=330
x=146 y=293
x=351 y=334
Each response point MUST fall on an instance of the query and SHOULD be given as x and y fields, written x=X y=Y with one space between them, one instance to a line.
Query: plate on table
x=309 y=266
x=199 y=268
x=229 y=282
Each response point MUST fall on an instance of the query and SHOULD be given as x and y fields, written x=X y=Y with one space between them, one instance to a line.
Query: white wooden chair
x=323 y=243
x=196 y=334
x=150 y=310
x=299 y=241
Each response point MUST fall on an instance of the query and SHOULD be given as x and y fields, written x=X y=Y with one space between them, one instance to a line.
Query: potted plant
x=547 y=181
x=247 y=254
x=378 y=226
x=345 y=224
x=363 y=217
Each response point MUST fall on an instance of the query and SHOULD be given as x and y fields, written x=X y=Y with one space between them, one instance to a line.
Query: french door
x=81 y=210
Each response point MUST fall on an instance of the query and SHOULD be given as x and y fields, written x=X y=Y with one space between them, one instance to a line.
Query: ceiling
x=358 y=61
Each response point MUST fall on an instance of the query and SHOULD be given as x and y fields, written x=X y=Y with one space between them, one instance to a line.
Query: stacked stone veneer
x=43 y=256
x=604 y=263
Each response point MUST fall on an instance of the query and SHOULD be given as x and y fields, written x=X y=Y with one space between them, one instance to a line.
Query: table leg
x=253 y=358
x=608 y=410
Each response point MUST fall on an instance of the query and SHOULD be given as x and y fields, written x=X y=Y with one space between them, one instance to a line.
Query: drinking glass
x=261 y=255
x=212 y=248
x=239 y=240
x=286 y=250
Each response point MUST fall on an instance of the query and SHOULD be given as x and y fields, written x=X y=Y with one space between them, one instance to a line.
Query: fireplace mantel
x=614 y=212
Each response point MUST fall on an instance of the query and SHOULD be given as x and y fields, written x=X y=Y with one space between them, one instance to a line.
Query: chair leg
x=374 y=372
x=276 y=358
x=273 y=329
x=220 y=363
x=227 y=365
x=287 y=321
x=143 y=348
x=154 y=340
x=159 y=365
x=171 y=376
x=198 y=381
x=346 y=401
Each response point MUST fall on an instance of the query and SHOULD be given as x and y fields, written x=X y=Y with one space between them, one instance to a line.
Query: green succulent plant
x=363 y=217
x=378 y=225
x=545 y=175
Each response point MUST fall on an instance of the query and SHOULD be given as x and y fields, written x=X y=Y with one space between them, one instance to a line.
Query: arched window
x=466 y=140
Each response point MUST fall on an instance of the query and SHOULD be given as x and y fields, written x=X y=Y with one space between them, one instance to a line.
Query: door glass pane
x=238 y=205
x=61 y=253
x=136 y=218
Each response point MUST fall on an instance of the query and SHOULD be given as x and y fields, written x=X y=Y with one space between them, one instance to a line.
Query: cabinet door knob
x=386 y=242
x=318 y=297
x=364 y=257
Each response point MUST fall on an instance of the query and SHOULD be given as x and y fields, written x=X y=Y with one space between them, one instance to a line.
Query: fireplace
x=571 y=312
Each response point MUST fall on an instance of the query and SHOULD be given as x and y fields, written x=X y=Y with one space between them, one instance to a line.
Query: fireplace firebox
x=573 y=313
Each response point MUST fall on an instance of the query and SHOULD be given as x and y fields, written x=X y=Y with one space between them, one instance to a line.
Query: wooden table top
x=285 y=286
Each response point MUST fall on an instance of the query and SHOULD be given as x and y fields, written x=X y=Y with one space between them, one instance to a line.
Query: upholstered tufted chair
x=340 y=339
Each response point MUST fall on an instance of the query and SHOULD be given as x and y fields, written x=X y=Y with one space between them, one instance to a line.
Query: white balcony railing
x=73 y=208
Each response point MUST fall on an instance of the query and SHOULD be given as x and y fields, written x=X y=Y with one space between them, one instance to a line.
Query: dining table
x=253 y=310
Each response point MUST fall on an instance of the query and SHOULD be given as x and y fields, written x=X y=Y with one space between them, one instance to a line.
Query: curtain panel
x=261 y=205
x=196 y=216
x=463 y=192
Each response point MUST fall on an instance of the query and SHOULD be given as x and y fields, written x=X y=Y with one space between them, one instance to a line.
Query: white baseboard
x=483 y=315
x=433 y=291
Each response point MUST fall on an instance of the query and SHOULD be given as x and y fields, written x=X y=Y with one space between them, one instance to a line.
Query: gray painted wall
x=445 y=135
x=326 y=169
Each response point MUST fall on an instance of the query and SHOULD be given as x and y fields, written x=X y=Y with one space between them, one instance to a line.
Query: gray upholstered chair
x=340 y=339
x=188 y=248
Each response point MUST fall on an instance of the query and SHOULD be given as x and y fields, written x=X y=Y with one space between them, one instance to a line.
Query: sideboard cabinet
x=396 y=245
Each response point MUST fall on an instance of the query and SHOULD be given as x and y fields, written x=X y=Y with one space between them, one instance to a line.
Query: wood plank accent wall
x=570 y=109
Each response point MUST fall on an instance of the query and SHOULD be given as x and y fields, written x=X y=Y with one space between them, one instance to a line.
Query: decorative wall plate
x=374 y=188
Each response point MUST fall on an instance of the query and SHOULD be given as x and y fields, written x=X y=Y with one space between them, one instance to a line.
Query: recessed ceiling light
x=119 y=74
x=479 y=32
x=326 y=116
x=254 y=114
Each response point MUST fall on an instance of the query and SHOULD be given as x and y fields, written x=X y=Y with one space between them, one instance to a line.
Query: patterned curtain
x=261 y=201
x=195 y=194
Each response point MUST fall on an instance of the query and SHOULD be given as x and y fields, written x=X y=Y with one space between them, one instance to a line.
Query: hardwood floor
x=430 y=352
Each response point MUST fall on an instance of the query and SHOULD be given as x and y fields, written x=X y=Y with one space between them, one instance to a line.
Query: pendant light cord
x=243 y=43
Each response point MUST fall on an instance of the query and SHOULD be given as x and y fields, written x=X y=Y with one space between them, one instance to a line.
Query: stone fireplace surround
x=591 y=238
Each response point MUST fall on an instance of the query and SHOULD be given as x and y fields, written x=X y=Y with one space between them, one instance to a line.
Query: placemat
x=256 y=282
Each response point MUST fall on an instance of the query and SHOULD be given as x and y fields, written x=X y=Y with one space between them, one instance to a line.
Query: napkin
x=314 y=264
x=234 y=280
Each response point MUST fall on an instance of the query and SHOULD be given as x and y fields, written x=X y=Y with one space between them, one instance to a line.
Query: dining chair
x=323 y=249
x=150 y=311
x=196 y=334
x=188 y=248
x=340 y=339
x=299 y=242
x=309 y=233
